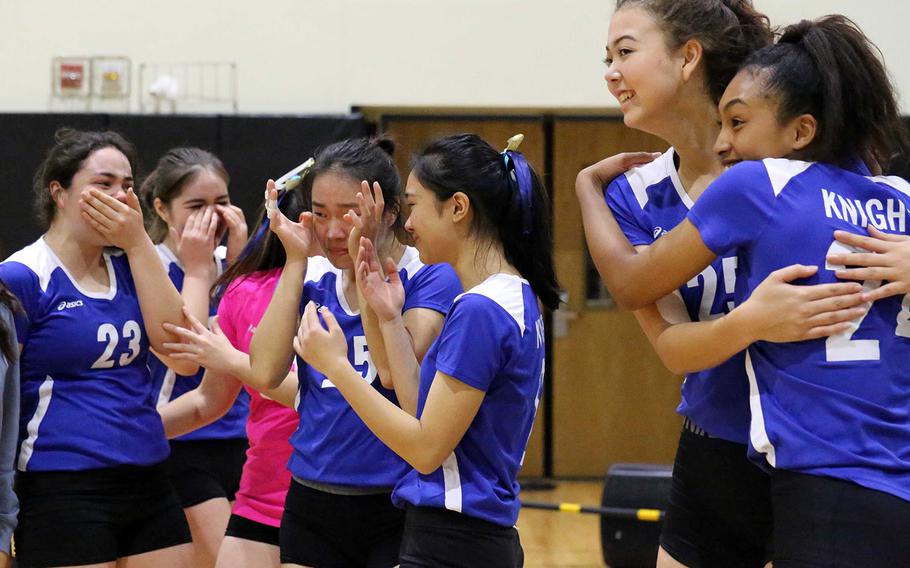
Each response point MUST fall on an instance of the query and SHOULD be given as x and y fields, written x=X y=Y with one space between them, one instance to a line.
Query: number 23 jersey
x=87 y=398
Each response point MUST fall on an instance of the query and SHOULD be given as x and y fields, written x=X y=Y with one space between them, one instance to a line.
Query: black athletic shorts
x=439 y=537
x=822 y=521
x=206 y=469
x=247 y=529
x=85 y=517
x=322 y=529
x=719 y=513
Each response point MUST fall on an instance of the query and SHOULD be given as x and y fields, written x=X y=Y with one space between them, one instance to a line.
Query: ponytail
x=829 y=69
x=513 y=210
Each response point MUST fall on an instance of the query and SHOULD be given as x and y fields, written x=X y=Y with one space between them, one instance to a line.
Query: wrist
x=741 y=325
x=205 y=270
x=143 y=243
x=338 y=369
x=238 y=365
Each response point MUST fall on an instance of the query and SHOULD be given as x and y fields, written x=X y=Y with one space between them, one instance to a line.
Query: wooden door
x=411 y=133
x=614 y=400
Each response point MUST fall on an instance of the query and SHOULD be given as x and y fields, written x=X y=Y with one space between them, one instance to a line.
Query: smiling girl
x=829 y=414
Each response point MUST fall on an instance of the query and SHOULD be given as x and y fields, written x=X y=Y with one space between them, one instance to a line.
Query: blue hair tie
x=521 y=180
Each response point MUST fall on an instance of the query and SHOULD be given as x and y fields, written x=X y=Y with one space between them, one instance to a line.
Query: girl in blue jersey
x=91 y=482
x=668 y=63
x=189 y=213
x=338 y=511
x=9 y=420
x=829 y=414
x=485 y=213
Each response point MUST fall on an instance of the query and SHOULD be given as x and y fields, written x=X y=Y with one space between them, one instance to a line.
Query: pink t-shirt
x=265 y=479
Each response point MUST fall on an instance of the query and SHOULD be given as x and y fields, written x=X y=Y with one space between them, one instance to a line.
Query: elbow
x=675 y=367
x=627 y=299
x=429 y=461
x=184 y=368
x=426 y=467
x=385 y=377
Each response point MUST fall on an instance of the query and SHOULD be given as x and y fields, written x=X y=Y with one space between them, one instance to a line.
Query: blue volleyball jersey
x=168 y=385
x=492 y=340
x=840 y=406
x=647 y=202
x=332 y=445
x=87 y=397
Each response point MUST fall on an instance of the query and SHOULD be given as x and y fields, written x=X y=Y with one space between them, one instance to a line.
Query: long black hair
x=829 y=69
x=465 y=163
x=360 y=159
x=263 y=251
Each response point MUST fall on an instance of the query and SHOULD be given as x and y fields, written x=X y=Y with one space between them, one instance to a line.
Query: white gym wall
x=308 y=56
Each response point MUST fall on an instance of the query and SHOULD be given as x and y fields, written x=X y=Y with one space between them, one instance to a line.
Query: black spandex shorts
x=206 y=469
x=94 y=516
x=323 y=529
x=719 y=514
x=439 y=537
x=822 y=521
x=247 y=529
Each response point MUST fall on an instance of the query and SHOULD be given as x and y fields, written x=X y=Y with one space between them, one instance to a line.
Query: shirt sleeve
x=627 y=212
x=735 y=208
x=475 y=341
x=9 y=425
x=433 y=287
x=23 y=283
x=226 y=316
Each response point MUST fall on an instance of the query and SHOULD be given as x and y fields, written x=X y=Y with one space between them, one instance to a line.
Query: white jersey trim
x=452 y=479
x=45 y=392
x=40 y=259
x=643 y=177
x=167 y=388
x=757 y=433
x=897 y=183
x=319 y=266
x=781 y=171
x=505 y=290
x=169 y=257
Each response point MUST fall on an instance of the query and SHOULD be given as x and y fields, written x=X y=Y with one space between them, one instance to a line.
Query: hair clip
x=513 y=143
x=288 y=182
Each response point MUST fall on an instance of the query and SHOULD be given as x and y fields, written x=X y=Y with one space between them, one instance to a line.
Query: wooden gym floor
x=552 y=538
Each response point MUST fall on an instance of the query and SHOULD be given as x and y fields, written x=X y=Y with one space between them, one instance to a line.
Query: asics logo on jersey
x=659 y=231
x=65 y=305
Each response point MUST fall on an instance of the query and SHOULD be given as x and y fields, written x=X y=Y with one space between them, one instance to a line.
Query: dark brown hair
x=70 y=150
x=728 y=31
x=177 y=168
